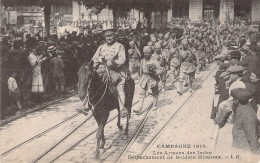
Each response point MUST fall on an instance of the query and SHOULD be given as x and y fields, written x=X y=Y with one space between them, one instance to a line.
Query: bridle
x=88 y=97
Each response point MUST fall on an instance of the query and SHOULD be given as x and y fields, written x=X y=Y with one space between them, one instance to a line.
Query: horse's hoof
x=97 y=156
x=120 y=127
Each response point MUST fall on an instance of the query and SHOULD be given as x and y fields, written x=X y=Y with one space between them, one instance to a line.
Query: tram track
x=74 y=144
x=38 y=135
x=133 y=139
x=128 y=145
x=36 y=108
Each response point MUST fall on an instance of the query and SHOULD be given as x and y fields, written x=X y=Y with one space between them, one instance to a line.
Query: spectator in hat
x=254 y=47
x=251 y=61
x=254 y=79
x=245 y=138
x=234 y=57
x=46 y=66
x=58 y=71
x=224 y=115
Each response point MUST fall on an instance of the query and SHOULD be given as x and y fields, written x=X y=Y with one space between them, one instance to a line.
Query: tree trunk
x=114 y=18
x=47 y=15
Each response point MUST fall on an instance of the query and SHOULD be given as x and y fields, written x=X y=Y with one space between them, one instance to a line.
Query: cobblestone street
x=27 y=127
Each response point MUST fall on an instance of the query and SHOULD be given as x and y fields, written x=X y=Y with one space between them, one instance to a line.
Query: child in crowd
x=14 y=91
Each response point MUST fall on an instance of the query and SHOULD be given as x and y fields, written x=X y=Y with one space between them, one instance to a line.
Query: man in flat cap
x=245 y=138
x=234 y=57
x=113 y=55
x=235 y=76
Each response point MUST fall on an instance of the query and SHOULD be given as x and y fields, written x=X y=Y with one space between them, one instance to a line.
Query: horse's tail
x=129 y=92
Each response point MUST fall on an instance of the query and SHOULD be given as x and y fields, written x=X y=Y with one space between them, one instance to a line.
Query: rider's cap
x=109 y=32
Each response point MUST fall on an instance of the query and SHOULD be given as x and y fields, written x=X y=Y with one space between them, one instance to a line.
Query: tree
x=46 y=4
x=118 y=6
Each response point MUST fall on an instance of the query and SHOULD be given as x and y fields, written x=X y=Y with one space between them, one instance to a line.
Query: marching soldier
x=187 y=67
x=174 y=63
x=134 y=57
x=149 y=70
x=163 y=62
x=201 y=56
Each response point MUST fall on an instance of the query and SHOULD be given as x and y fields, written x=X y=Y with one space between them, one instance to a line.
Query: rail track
x=123 y=152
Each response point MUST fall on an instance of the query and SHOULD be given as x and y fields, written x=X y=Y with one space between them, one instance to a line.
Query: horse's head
x=85 y=75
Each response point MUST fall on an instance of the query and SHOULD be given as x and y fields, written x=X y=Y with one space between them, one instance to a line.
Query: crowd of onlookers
x=237 y=98
x=37 y=70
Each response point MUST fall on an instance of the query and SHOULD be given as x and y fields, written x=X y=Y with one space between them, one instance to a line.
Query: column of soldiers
x=181 y=53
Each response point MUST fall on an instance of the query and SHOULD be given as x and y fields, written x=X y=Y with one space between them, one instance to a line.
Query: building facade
x=225 y=10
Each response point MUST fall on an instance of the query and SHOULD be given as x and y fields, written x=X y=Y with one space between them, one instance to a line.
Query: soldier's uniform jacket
x=200 y=54
x=174 y=57
x=148 y=80
x=134 y=54
x=187 y=65
x=114 y=53
x=160 y=58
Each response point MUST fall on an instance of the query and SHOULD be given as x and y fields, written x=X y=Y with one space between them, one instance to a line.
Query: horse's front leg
x=120 y=127
x=103 y=140
x=99 y=135
x=127 y=124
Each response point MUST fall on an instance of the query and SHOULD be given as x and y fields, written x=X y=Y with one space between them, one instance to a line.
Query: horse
x=102 y=100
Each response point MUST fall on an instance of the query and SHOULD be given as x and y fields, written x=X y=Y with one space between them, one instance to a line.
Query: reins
x=88 y=98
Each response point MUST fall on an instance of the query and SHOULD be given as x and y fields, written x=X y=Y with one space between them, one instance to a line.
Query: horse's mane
x=82 y=67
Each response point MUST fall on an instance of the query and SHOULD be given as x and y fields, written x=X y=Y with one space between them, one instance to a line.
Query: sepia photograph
x=118 y=81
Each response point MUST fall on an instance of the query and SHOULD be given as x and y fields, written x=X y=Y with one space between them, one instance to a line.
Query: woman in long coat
x=35 y=59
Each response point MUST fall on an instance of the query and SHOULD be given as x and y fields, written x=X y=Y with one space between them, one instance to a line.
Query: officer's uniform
x=116 y=54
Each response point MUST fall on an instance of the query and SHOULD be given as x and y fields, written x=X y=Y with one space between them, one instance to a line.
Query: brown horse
x=101 y=99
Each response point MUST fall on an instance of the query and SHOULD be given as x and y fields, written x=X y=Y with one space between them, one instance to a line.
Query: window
x=208 y=9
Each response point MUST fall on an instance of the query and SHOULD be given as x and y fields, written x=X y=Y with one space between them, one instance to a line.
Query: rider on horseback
x=110 y=58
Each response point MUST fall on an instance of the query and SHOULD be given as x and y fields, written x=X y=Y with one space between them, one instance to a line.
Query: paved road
x=188 y=124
